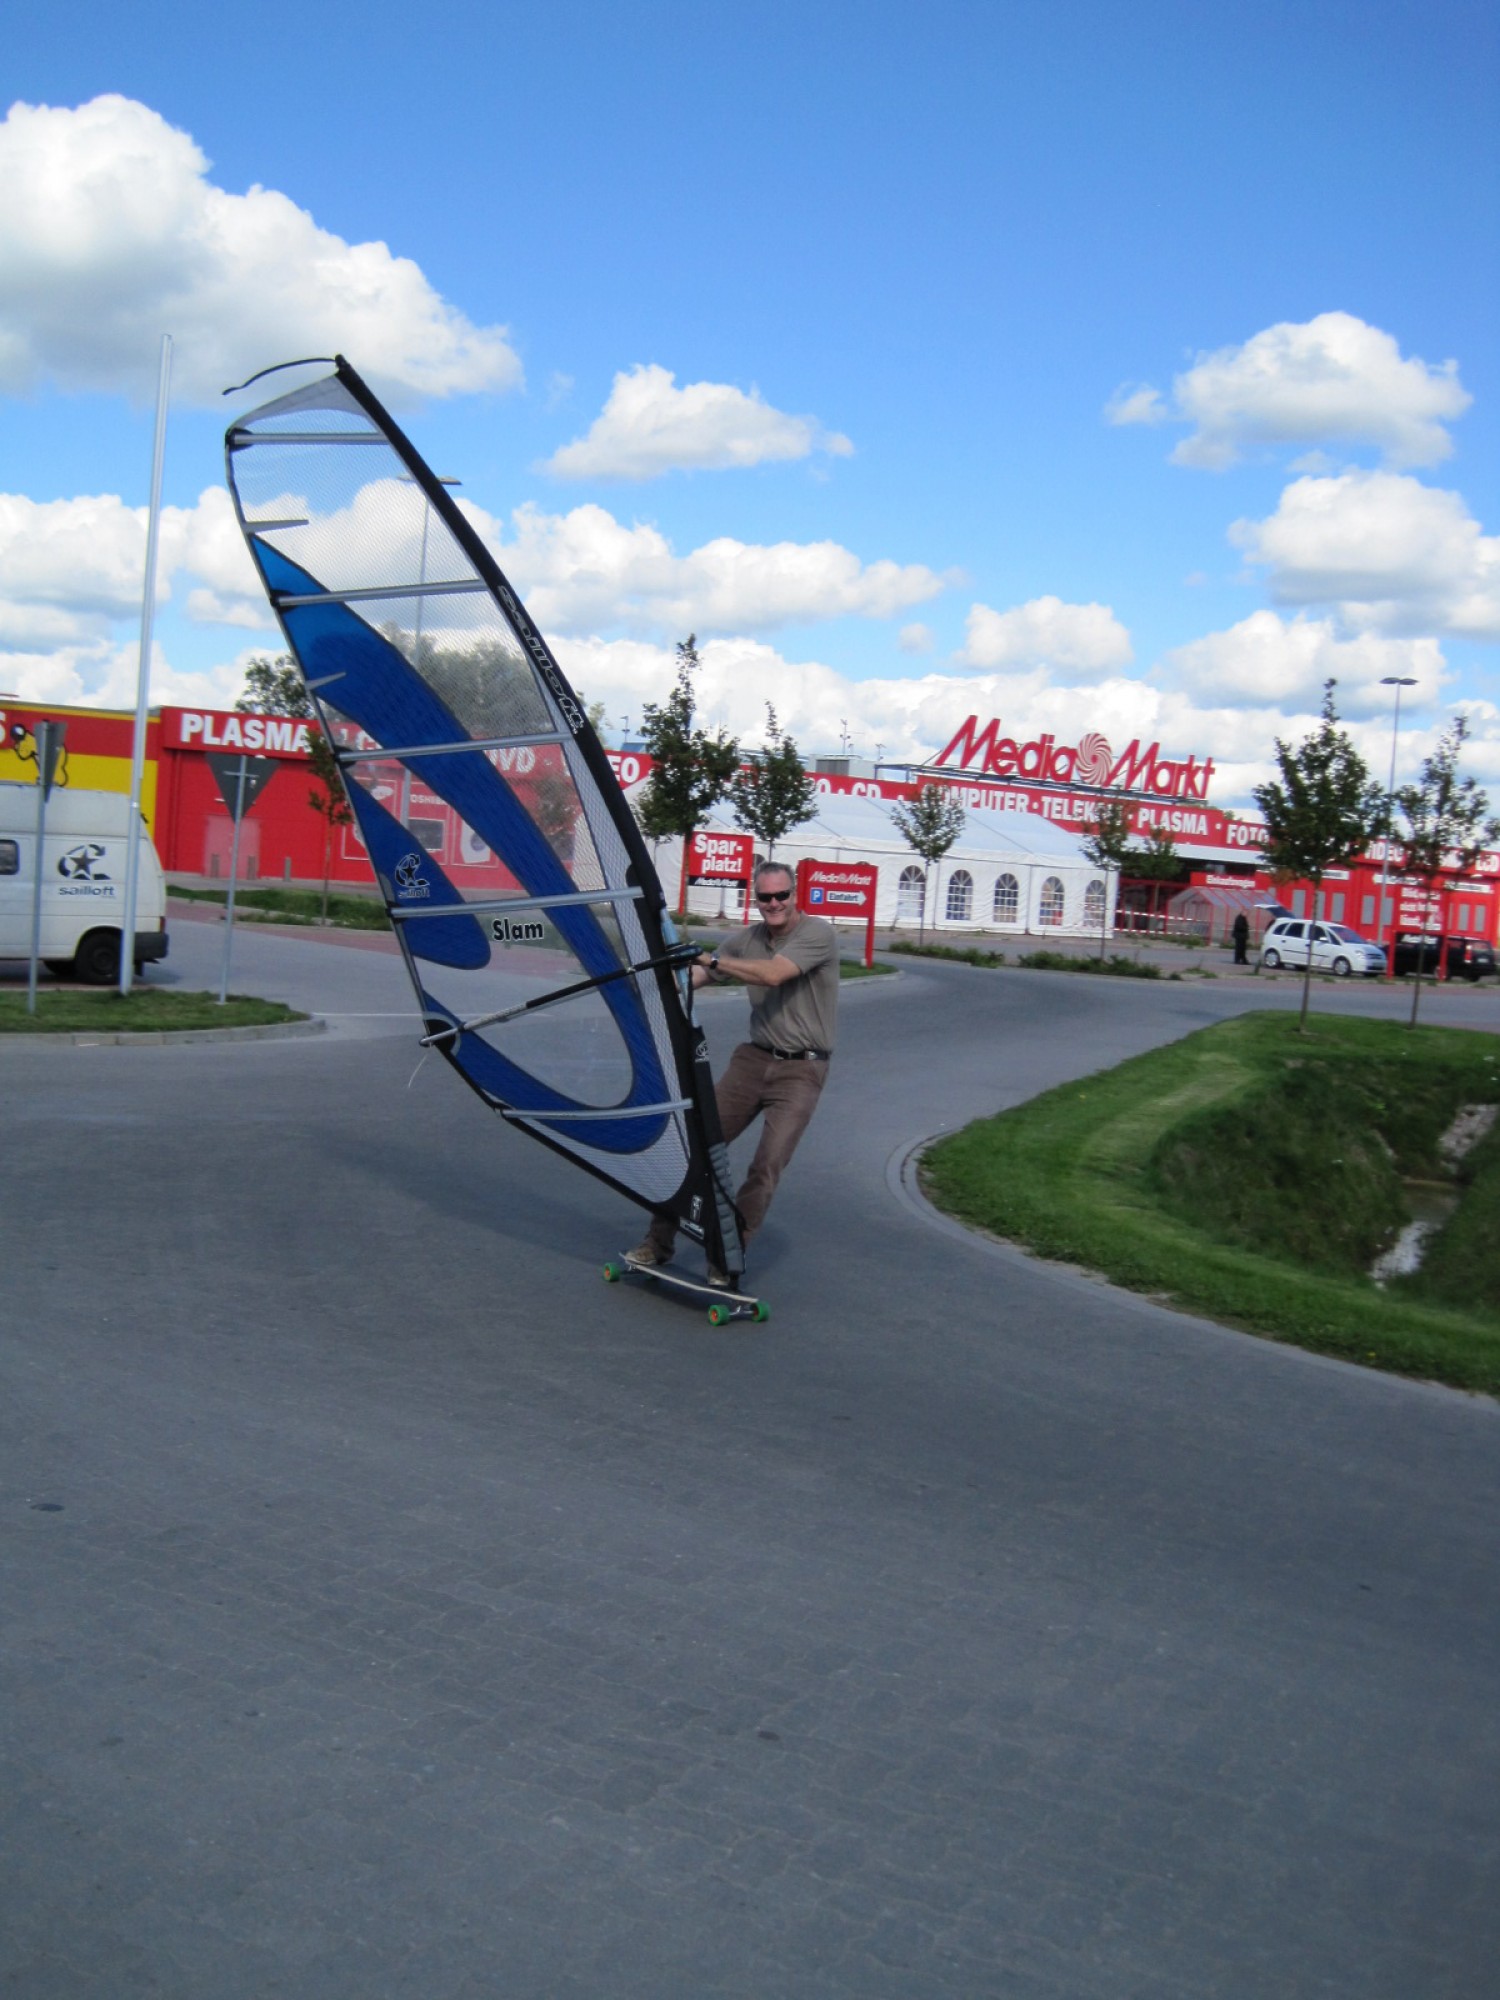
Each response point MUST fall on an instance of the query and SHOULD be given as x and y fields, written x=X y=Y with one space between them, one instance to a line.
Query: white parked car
x=1334 y=948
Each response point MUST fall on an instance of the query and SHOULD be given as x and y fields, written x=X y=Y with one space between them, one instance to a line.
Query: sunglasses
x=773 y=896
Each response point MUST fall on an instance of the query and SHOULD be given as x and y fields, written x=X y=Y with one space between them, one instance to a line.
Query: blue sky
x=1097 y=368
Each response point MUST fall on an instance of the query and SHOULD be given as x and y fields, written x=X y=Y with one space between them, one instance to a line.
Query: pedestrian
x=789 y=964
x=1240 y=931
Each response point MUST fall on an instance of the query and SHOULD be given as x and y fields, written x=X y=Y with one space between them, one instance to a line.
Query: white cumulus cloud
x=1392 y=554
x=649 y=426
x=112 y=233
x=1078 y=638
x=1270 y=659
x=585 y=570
x=1332 y=380
x=71 y=568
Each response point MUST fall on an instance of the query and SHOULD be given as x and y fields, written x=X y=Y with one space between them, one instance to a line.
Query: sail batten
x=373 y=592
x=510 y=865
x=511 y=905
x=447 y=749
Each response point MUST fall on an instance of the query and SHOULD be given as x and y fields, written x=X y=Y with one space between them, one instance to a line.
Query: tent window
x=960 y=896
x=1007 y=899
x=909 y=892
x=1051 y=909
x=1093 y=905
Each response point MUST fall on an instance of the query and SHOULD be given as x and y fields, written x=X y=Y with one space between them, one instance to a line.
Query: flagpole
x=135 y=817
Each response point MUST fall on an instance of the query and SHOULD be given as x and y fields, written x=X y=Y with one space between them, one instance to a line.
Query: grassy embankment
x=1253 y=1174
x=145 y=1010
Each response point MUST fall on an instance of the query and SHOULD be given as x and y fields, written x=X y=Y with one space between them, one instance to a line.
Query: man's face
x=773 y=895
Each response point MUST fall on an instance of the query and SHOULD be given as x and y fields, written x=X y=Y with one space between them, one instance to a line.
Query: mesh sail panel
x=528 y=911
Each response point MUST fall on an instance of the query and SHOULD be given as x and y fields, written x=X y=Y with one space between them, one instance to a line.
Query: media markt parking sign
x=843 y=891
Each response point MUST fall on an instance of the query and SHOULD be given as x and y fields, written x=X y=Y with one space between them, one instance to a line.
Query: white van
x=83 y=882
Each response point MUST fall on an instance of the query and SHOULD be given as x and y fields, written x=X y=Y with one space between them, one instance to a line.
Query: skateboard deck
x=724 y=1307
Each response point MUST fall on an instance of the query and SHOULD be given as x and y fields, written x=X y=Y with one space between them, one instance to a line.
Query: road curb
x=270 y=1031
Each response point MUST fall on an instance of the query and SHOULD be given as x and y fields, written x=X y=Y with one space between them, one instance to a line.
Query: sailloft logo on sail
x=411 y=883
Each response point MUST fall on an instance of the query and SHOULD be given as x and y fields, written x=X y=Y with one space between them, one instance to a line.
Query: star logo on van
x=81 y=863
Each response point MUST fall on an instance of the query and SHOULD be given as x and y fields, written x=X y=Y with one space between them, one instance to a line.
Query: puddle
x=1430 y=1203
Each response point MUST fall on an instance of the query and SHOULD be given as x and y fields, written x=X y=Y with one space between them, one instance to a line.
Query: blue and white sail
x=528 y=911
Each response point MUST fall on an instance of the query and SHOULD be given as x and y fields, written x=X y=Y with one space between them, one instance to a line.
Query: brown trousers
x=755 y=1084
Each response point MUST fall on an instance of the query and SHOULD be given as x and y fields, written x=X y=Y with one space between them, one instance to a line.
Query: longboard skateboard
x=726 y=1306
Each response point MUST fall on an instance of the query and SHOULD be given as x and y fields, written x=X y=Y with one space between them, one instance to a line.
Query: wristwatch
x=709 y=959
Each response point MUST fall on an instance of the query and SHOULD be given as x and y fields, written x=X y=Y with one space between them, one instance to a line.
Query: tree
x=1447 y=829
x=692 y=769
x=1158 y=860
x=929 y=824
x=1107 y=847
x=774 y=793
x=276 y=687
x=1322 y=813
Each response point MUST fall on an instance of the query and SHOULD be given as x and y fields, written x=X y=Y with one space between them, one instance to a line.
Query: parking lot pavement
x=393 y=1609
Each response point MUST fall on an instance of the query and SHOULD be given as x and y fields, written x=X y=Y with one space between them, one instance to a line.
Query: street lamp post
x=1396 y=681
x=404 y=812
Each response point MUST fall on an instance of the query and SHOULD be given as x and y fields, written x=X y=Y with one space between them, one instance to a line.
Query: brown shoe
x=648 y=1252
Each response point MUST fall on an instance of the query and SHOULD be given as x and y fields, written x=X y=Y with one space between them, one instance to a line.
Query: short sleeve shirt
x=803 y=1012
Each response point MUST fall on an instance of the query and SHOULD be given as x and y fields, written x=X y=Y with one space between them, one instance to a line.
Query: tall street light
x=416 y=651
x=1396 y=681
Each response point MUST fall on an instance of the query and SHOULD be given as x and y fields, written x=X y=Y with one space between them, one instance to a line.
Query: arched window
x=1007 y=899
x=909 y=893
x=1093 y=906
x=960 y=896
x=1050 y=910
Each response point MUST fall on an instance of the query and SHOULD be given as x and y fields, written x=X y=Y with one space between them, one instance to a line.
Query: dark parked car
x=1463 y=957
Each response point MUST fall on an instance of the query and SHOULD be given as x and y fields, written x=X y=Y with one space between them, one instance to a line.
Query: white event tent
x=1007 y=871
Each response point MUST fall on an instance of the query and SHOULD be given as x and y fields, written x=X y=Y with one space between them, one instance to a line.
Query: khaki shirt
x=803 y=1013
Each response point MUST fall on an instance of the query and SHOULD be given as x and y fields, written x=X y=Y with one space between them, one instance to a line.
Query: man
x=1240 y=930
x=789 y=964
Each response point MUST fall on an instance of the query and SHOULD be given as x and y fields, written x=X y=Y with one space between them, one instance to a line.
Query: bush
x=970 y=955
x=1115 y=967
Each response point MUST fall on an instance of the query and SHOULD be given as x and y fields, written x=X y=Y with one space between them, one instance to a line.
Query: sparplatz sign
x=843 y=891
x=720 y=857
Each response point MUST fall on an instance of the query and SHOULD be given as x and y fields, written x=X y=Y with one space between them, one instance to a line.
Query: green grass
x=1249 y=1173
x=855 y=968
x=144 y=1010
x=295 y=906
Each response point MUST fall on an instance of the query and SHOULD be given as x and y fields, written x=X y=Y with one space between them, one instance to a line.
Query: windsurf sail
x=520 y=889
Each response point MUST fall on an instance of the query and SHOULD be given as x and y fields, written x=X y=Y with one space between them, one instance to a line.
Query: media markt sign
x=1089 y=761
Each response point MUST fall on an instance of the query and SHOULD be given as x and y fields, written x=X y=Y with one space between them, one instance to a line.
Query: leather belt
x=797 y=1055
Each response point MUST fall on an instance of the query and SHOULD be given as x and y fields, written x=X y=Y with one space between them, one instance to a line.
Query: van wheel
x=1271 y=960
x=60 y=968
x=97 y=959
x=1342 y=968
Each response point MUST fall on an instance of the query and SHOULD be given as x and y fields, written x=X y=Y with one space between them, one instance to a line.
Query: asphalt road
x=391 y=1609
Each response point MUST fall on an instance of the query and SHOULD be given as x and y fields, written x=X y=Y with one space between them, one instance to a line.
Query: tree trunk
x=1306 y=990
x=327 y=866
